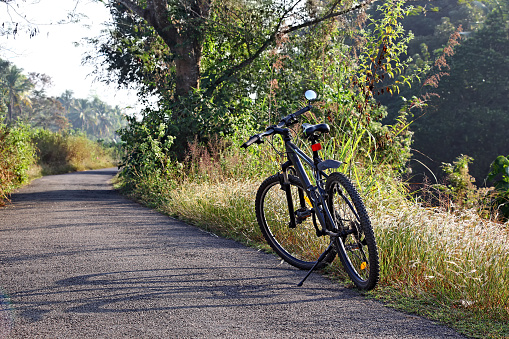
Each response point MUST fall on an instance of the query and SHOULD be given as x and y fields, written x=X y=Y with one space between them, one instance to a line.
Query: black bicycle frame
x=320 y=207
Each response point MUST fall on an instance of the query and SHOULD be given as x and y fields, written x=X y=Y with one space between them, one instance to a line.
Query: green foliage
x=384 y=50
x=146 y=146
x=460 y=187
x=17 y=154
x=262 y=93
x=134 y=55
x=349 y=89
x=467 y=109
x=499 y=174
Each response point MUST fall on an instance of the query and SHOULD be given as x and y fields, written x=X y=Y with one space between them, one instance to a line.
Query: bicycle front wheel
x=299 y=246
x=357 y=246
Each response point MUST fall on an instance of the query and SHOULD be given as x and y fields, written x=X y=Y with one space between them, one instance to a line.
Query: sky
x=52 y=50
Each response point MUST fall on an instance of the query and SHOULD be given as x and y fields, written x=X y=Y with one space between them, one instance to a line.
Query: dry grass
x=62 y=153
x=448 y=267
x=455 y=263
x=225 y=207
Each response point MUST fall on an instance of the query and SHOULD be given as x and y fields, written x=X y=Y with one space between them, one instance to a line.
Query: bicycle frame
x=351 y=233
x=320 y=207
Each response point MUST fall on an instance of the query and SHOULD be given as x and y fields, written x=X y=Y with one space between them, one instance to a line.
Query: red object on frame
x=316 y=147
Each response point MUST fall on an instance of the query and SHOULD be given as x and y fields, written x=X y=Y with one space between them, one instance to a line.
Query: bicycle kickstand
x=320 y=259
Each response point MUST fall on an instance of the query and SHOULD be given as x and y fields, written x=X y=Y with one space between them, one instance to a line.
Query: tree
x=92 y=116
x=245 y=29
x=4 y=66
x=469 y=114
x=17 y=88
x=48 y=113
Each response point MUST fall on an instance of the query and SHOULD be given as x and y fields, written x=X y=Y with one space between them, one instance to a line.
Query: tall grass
x=63 y=152
x=449 y=267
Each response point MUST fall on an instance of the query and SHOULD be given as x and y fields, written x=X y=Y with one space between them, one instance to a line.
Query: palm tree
x=16 y=87
x=67 y=100
x=83 y=115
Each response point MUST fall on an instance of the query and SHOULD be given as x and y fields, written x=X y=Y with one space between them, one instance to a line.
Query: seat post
x=314 y=140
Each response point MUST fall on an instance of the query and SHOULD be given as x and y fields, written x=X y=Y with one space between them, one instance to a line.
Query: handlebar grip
x=251 y=141
x=302 y=110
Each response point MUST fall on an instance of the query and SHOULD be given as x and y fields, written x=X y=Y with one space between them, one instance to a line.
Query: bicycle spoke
x=358 y=248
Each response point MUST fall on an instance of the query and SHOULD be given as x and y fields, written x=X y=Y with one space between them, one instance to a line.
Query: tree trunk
x=10 y=107
x=187 y=66
x=182 y=35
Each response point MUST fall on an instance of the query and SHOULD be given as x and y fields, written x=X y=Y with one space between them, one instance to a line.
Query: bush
x=17 y=154
x=499 y=174
x=63 y=152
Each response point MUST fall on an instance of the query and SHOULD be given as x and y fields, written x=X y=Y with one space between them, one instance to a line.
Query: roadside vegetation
x=42 y=135
x=444 y=265
x=443 y=242
x=443 y=247
x=27 y=153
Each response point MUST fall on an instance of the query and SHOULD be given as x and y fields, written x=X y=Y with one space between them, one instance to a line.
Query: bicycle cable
x=271 y=142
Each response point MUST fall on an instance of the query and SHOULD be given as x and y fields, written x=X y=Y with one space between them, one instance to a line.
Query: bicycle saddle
x=309 y=129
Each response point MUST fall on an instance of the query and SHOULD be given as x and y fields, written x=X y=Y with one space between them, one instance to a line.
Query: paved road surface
x=77 y=260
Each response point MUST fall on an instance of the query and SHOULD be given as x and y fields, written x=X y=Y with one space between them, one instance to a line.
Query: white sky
x=52 y=51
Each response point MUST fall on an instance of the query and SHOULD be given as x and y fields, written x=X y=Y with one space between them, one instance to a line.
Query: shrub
x=499 y=174
x=63 y=152
x=17 y=153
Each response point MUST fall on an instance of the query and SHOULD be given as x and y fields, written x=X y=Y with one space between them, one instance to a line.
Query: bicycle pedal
x=304 y=214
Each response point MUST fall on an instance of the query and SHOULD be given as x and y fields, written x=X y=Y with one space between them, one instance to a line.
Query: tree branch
x=156 y=16
x=229 y=72
x=328 y=16
x=139 y=11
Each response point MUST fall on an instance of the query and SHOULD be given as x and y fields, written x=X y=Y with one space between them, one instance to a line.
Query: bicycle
x=288 y=205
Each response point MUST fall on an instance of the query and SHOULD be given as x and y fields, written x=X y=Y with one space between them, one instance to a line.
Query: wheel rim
x=301 y=242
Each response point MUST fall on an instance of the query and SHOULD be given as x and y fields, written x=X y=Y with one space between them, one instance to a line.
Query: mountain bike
x=288 y=206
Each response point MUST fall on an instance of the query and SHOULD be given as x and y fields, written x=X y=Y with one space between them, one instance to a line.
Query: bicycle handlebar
x=284 y=122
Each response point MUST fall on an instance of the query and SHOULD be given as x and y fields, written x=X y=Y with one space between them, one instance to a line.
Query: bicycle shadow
x=171 y=289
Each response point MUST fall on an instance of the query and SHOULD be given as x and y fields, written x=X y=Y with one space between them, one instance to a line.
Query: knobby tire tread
x=374 y=266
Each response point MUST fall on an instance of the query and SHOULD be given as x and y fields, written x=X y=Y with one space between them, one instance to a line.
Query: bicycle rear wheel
x=357 y=247
x=299 y=246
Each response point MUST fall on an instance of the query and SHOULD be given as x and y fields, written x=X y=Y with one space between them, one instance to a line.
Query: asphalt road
x=78 y=260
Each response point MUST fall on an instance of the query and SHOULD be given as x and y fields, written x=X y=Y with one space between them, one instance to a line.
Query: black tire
x=299 y=246
x=357 y=250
